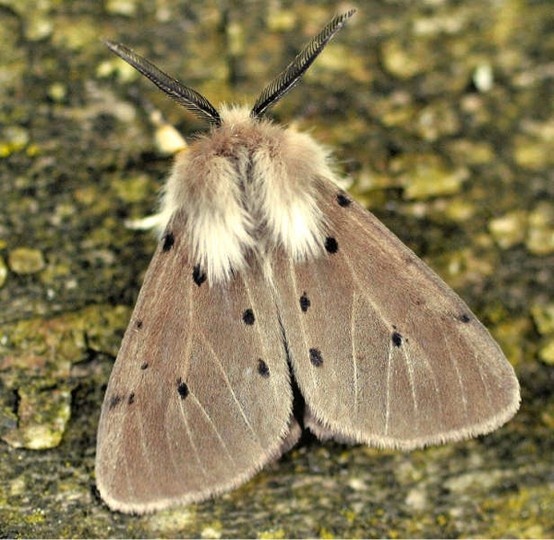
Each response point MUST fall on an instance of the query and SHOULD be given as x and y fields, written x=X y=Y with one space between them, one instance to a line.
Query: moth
x=275 y=303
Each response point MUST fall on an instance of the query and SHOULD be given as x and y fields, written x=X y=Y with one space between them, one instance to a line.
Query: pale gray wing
x=199 y=398
x=384 y=352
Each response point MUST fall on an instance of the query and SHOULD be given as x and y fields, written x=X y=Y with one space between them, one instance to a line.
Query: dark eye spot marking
x=331 y=245
x=396 y=339
x=115 y=401
x=263 y=368
x=315 y=357
x=144 y=365
x=248 y=317
x=198 y=275
x=343 y=200
x=138 y=324
x=168 y=241
x=182 y=388
x=131 y=398
x=464 y=317
x=305 y=302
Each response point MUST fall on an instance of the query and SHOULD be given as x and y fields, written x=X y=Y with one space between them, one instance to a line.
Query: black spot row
x=248 y=317
x=315 y=357
x=168 y=241
x=115 y=401
x=198 y=275
x=182 y=388
x=343 y=200
x=304 y=302
x=118 y=398
x=396 y=339
x=263 y=368
x=331 y=245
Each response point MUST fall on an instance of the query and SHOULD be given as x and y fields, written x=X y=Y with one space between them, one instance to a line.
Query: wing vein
x=387 y=393
x=214 y=427
x=231 y=390
x=192 y=443
x=409 y=365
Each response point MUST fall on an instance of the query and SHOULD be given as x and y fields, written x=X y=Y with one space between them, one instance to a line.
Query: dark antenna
x=277 y=88
x=185 y=96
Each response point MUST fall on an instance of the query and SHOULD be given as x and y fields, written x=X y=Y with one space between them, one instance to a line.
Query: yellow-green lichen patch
x=42 y=415
x=26 y=260
x=36 y=363
x=3 y=272
x=509 y=230
x=425 y=176
x=168 y=523
x=525 y=514
x=543 y=317
x=540 y=235
x=212 y=530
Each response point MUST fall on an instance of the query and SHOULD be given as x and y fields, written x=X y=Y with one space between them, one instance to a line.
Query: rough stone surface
x=456 y=90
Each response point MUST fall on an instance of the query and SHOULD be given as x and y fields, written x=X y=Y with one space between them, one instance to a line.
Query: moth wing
x=199 y=398
x=384 y=352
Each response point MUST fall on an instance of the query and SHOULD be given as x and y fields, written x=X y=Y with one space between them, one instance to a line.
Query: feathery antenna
x=185 y=96
x=286 y=80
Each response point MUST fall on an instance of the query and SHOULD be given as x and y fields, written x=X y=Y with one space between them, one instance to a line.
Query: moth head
x=272 y=93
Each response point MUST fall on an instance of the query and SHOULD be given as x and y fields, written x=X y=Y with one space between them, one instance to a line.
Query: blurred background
x=439 y=114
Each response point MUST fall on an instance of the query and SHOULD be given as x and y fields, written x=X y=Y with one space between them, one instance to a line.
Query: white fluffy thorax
x=249 y=186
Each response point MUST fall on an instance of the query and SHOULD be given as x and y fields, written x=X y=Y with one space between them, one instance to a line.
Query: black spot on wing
x=144 y=365
x=396 y=339
x=331 y=245
x=315 y=357
x=131 y=398
x=138 y=324
x=464 y=317
x=248 y=317
x=263 y=368
x=343 y=200
x=168 y=241
x=198 y=275
x=182 y=388
x=305 y=303
x=115 y=401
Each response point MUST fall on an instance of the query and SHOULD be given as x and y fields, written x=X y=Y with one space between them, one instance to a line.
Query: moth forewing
x=199 y=398
x=402 y=362
x=266 y=272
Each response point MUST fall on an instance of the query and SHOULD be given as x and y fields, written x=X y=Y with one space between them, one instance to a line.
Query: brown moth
x=268 y=275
